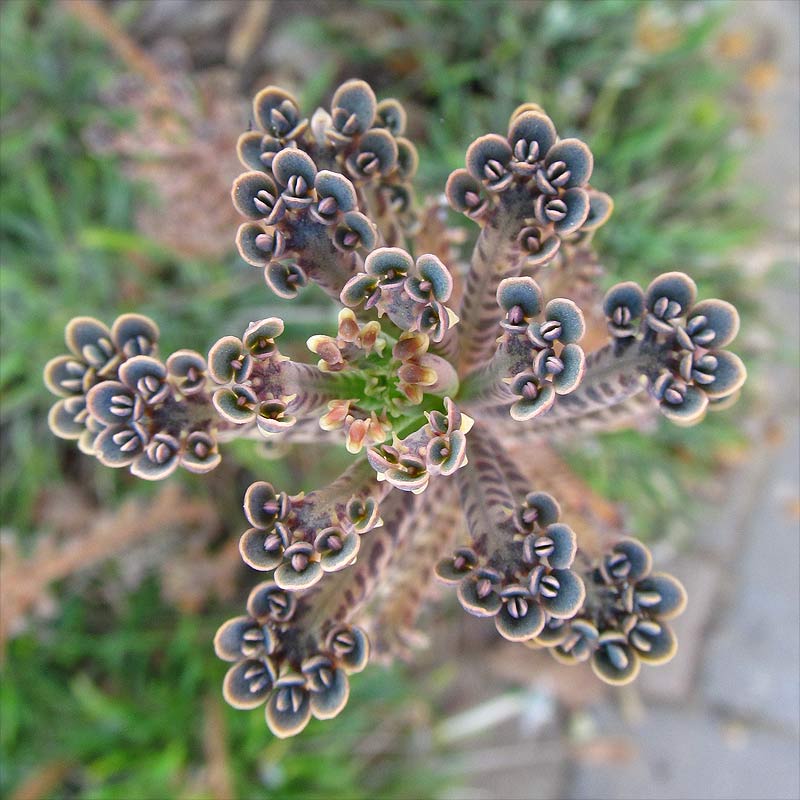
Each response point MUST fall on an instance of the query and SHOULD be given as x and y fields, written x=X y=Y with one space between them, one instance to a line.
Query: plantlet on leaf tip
x=432 y=364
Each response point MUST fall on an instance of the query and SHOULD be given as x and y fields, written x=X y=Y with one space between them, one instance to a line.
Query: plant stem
x=485 y=496
x=493 y=259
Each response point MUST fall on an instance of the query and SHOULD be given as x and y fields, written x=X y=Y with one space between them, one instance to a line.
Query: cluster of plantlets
x=431 y=366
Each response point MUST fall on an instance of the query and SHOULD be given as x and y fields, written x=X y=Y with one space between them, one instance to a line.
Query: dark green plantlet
x=433 y=366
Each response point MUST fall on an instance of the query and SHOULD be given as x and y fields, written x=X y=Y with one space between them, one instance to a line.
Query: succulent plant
x=433 y=364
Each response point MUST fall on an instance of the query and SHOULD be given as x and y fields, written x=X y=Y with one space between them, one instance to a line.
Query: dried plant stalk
x=25 y=578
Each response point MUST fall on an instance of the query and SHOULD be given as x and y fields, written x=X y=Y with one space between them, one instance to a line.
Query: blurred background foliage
x=116 y=151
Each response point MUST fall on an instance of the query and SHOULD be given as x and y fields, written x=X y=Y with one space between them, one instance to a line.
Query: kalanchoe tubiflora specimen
x=433 y=364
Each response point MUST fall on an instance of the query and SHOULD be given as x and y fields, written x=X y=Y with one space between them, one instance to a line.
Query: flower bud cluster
x=412 y=294
x=537 y=355
x=544 y=356
x=386 y=383
x=354 y=342
x=438 y=447
x=254 y=377
x=298 y=671
x=127 y=407
x=692 y=373
x=306 y=535
x=361 y=428
x=623 y=622
x=536 y=182
x=518 y=566
x=313 y=187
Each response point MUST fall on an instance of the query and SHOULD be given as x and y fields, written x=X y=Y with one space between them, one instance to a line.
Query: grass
x=111 y=698
x=122 y=699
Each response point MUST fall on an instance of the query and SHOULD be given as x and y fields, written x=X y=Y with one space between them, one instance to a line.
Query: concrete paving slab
x=690 y=754
x=752 y=667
